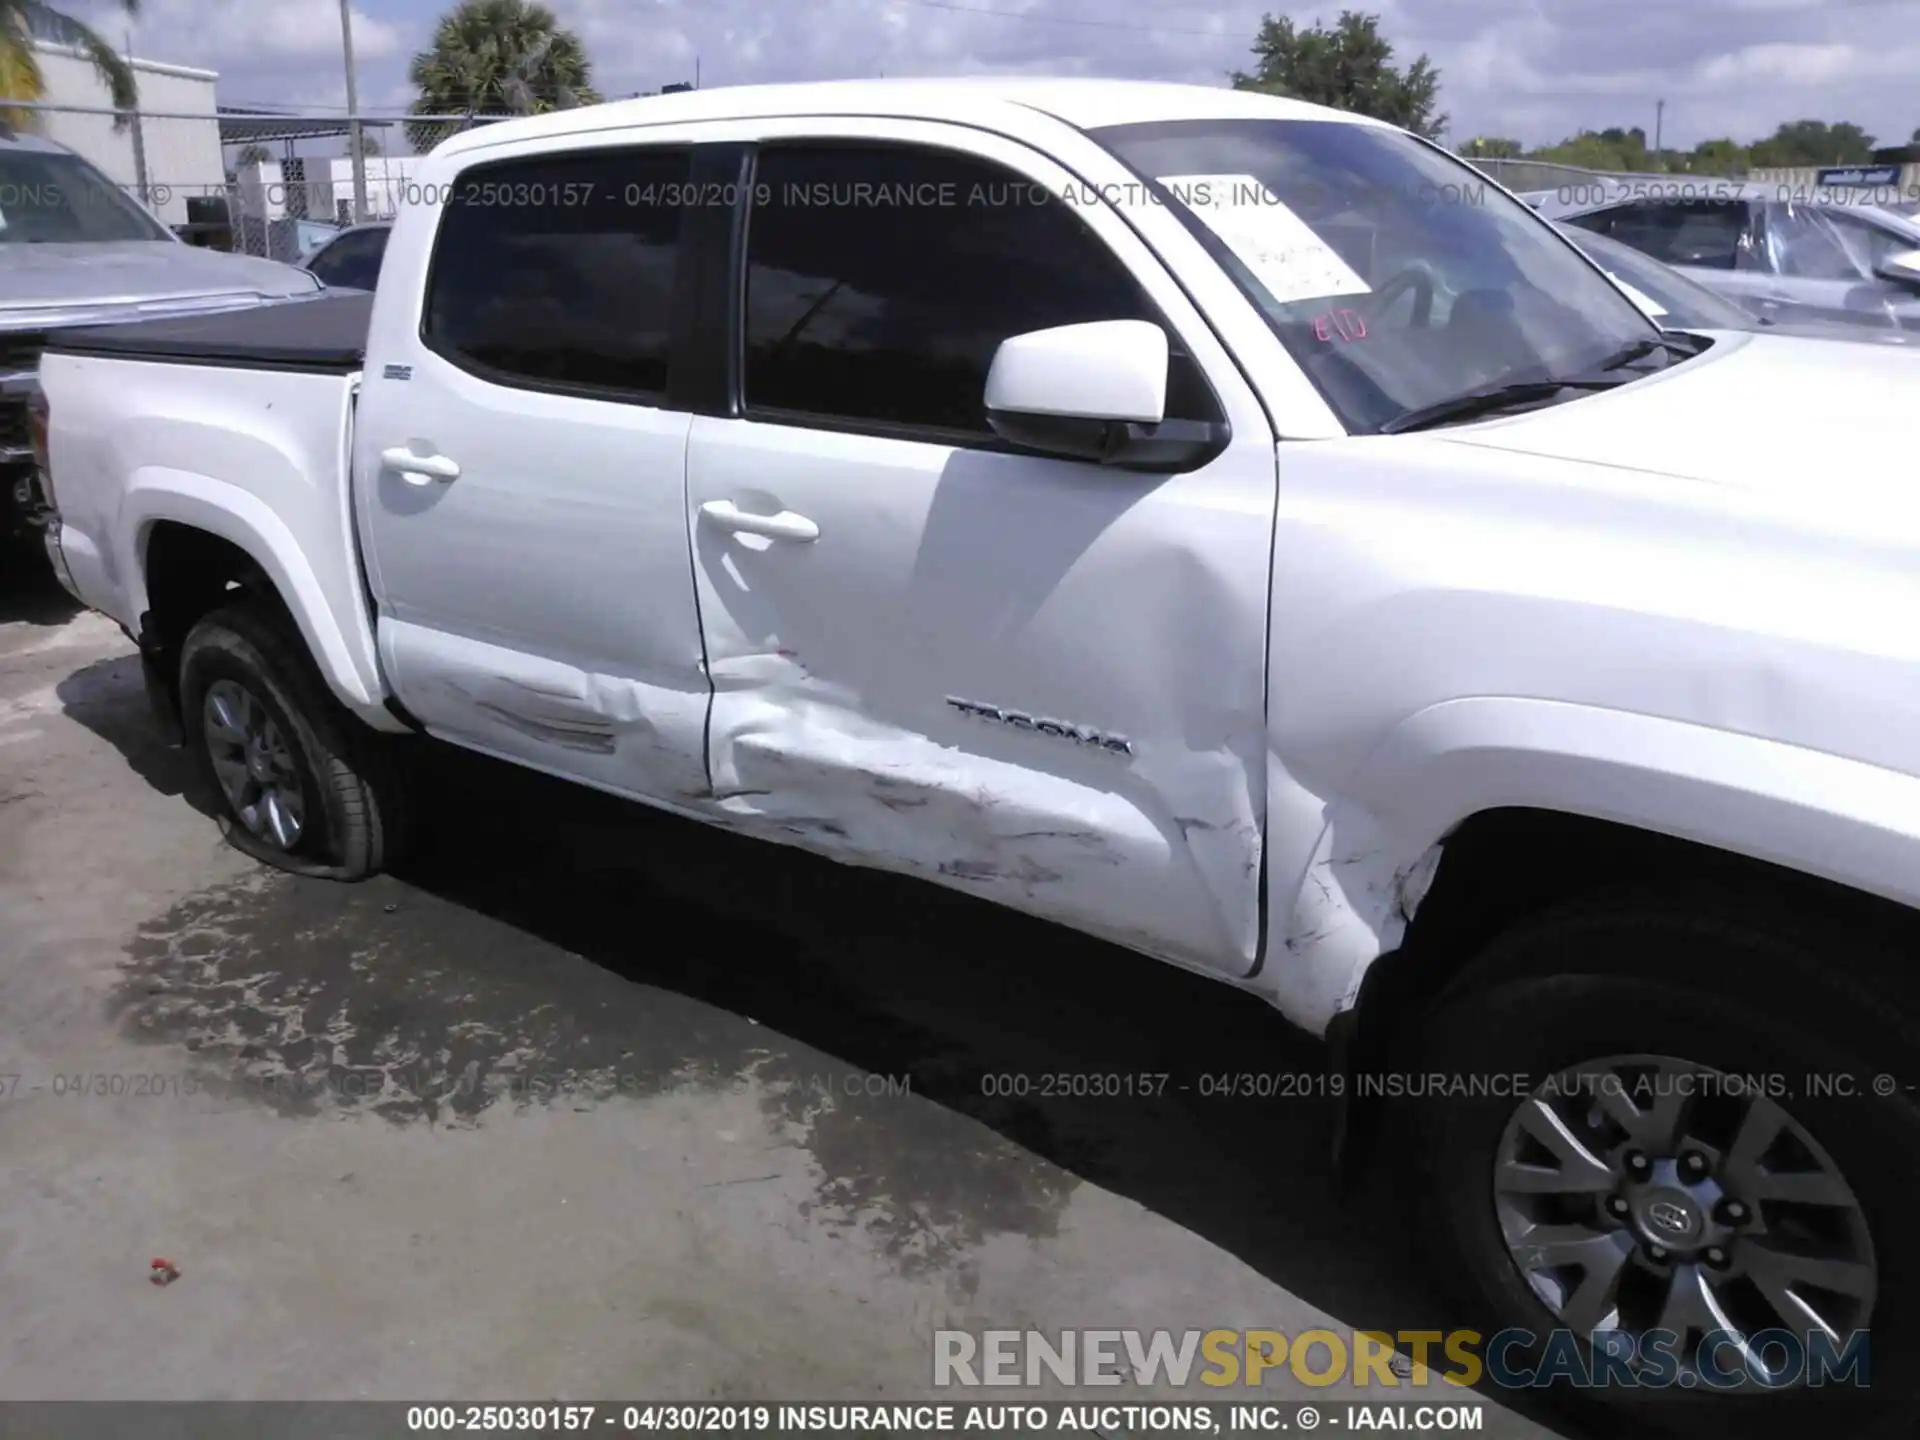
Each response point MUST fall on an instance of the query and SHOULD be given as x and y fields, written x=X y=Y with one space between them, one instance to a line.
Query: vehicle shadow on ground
x=28 y=592
x=898 y=977
x=684 y=929
x=108 y=698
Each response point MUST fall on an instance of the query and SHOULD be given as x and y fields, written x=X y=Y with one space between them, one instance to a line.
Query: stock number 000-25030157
x=529 y=1419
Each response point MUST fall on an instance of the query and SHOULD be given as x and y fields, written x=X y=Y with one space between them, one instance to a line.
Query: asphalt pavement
x=590 y=1102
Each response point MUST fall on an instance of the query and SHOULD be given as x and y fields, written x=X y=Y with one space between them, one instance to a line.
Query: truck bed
x=326 y=335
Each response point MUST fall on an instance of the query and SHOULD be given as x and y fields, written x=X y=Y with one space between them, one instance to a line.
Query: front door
x=1034 y=679
x=521 y=480
x=1826 y=261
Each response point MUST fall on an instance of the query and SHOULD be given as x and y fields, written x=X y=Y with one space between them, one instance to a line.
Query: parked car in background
x=310 y=235
x=1765 y=246
x=1677 y=303
x=75 y=249
x=351 y=259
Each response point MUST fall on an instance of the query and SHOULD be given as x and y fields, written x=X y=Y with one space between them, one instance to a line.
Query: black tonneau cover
x=326 y=335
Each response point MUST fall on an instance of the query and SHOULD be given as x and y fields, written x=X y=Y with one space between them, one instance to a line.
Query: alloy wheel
x=254 y=765
x=1642 y=1194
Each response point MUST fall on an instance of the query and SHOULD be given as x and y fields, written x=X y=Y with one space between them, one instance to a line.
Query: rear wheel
x=302 y=785
x=1676 y=1160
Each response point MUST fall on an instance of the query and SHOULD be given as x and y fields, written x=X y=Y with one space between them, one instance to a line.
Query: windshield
x=1397 y=276
x=50 y=198
x=1674 y=301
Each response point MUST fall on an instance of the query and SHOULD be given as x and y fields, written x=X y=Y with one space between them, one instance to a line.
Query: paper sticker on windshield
x=1647 y=303
x=1279 y=248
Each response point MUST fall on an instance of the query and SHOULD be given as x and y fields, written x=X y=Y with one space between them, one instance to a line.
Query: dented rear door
x=1036 y=680
x=520 y=471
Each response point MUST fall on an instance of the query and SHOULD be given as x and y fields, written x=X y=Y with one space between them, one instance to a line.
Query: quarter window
x=558 y=272
x=881 y=280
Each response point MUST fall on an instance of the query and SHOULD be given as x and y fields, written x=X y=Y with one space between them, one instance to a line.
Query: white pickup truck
x=1217 y=524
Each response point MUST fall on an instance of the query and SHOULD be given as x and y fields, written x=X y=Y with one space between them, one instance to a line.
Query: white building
x=181 y=151
x=321 y=187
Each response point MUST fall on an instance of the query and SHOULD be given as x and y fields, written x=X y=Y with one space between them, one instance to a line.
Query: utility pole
x=139 y=141
x=354 y=148
x=1659 y=122
x=696 y=72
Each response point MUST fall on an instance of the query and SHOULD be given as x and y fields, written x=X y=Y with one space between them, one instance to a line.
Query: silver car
x=1787 y=253
x=1676 y=303
x=77 y=250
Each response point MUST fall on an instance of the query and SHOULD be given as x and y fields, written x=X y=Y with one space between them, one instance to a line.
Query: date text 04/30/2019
x=935 y=1418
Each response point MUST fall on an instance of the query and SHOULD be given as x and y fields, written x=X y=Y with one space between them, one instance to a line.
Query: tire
x=1764 y=1002
x=344 y=780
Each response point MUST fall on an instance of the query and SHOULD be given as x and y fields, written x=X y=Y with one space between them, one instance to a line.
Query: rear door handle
x=784 y=526
x=419 y=469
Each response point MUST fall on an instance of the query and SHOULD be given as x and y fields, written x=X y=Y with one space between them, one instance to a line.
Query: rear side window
x=881 y=280
x=557 y=272
x=1707 y=234
x=351 y=262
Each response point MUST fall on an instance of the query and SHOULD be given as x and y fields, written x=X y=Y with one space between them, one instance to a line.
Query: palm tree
x=254 y=153
x=497 y=57
x=24 y=21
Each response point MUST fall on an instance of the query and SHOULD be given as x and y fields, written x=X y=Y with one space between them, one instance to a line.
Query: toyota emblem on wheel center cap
x=1669 y=1217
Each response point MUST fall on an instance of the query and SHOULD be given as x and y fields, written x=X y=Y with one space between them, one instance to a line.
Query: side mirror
x=1902 y=267
x=1095 y=392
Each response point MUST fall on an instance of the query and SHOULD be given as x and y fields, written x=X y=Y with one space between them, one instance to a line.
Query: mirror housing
x=1902 y=267
x=1095 y=392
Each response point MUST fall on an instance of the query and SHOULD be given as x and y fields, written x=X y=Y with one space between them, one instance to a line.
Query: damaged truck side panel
x=1024 y=676
x=1434 y=661
x=1226 y=713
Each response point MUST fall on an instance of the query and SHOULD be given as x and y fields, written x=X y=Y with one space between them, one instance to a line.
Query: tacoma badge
x=1041 y=725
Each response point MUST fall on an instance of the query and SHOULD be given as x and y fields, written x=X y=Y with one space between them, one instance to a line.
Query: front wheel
x=302 y=785
x=1674 y=1168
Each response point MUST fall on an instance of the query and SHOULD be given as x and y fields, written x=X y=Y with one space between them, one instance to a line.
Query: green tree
x=497 y=57
x=1814 y=142
x=24 y=21
x=1349 y=67
x=1718 y=157
x=1492 y=147
x=1613 y=149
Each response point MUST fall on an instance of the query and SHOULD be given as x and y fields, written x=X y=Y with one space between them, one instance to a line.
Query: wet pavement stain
x=389 y=999
x=552 y=946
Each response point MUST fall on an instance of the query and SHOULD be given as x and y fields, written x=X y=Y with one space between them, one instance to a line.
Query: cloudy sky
x=1534 y=69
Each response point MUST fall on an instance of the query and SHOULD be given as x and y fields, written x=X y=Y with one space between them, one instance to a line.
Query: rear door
x=520 y=471
x=1034 y=679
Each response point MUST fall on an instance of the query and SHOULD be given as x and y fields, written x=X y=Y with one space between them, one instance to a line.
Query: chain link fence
x=279 y=183
x=270 y=183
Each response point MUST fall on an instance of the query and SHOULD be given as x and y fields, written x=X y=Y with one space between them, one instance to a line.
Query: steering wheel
x=1417 y=277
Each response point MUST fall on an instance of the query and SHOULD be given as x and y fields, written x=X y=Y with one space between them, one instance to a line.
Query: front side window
x=881 y=279
x=48 y=197
x=1822 y=242
x=1394 y=274
x=558 y=271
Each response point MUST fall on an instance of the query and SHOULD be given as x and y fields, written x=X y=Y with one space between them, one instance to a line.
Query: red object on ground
x=163 y=1272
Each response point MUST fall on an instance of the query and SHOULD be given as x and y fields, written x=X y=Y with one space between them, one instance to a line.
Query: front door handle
x=784 y=526
x=419 y=469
